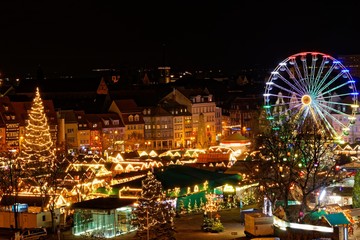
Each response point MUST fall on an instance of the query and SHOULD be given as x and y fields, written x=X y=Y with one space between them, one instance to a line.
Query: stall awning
x=336 y=219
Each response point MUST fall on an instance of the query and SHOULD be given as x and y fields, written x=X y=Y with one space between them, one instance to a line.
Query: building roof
x=104 y=203
x=184 y=176
x=127 y=106
x=236 y=137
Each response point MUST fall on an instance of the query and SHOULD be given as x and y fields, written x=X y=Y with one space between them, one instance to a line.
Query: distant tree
x=153 y=215
x=49 y=180
x=11 y=174
x=356 y=191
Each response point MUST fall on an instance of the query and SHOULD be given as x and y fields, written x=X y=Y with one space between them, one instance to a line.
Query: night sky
x=77 y=36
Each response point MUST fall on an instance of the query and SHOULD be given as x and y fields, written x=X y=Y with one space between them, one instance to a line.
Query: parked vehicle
x=33 y=234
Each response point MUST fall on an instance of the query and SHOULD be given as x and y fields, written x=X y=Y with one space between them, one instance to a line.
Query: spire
x=102 y=89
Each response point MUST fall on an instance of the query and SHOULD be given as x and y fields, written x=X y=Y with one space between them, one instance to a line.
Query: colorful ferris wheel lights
x=308 y=85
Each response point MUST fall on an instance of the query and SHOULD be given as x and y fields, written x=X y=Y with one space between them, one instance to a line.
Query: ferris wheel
x=315 y=86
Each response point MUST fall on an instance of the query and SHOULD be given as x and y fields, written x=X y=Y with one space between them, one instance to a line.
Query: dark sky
x=76 y=36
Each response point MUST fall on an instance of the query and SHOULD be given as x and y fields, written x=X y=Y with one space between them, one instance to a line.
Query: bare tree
x=295 y=163
x=11 y=175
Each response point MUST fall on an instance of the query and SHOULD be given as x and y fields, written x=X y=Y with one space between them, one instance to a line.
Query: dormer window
x=106 y=122
x=137 y=118
x=79 y=117
x=116 y=122
x=6 y=108
x=131 y=118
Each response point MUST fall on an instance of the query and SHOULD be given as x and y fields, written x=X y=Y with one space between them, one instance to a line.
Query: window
x=137 y=118
x=131 y=118
x=106 y=122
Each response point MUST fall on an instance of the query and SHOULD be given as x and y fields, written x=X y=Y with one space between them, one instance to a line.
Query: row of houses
x=180 y=118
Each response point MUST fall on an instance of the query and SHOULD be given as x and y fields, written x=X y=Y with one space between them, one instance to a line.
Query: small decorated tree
x=212 y=224
x=182 y=207
x=189 y=208
x=196 y=207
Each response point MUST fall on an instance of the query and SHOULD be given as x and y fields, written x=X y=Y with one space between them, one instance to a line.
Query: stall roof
x=104 y=203
x=336 y=219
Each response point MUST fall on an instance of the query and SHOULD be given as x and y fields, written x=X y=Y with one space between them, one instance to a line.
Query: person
x=58 y=233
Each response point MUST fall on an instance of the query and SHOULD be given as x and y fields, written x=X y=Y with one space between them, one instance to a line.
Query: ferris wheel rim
x=312 y=94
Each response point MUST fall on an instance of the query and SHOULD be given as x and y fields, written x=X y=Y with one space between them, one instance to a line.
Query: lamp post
x=20 y=143
x=147 y=224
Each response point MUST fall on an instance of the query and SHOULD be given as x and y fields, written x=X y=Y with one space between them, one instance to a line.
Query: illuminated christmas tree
x=37 y=146
x=154 y=215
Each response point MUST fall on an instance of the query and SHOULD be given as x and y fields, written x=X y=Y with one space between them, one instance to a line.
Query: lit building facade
x=198 y=102
x=158 y=128
x=132 y=117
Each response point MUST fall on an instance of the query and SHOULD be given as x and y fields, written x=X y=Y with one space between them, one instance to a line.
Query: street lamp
x=147 y=144
x=20 y=142
x=147 y=224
